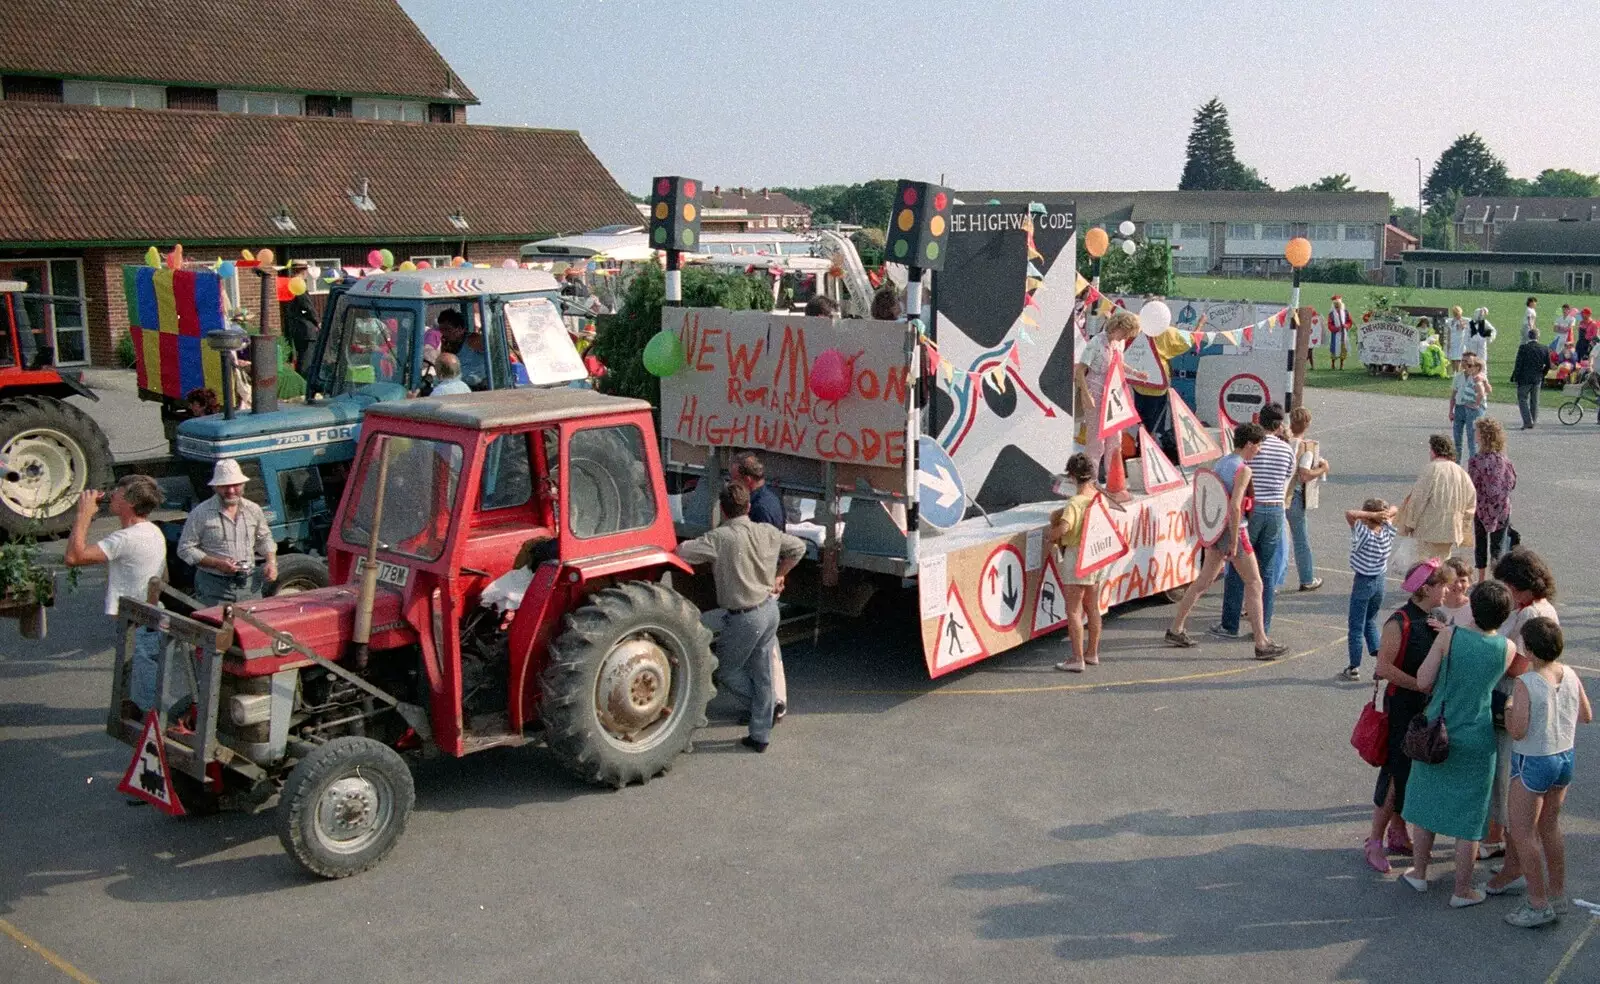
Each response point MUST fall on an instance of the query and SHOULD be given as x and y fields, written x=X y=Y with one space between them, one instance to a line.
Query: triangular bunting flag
x=1014 y=356
x=1022 y=333
x=1080 y=286
x=1028 y=301
x=1195 y=445
x=1027 y=224
x=147 y=776
x=1034 y=283
x=1049 y=605
x=1154 y=467
x=1231 y=336
x=1282 y=316
x=1034 y=254
x=949 y=371
x=956 y=642
x=1102 y=543
x=1027 y=318
x=1117 y=411
x=1249 y=333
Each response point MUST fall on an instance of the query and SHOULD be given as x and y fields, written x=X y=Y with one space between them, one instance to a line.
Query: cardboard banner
x=1117 y=411
x=1195 y=446
x=957 y=643
x=1390 y=343
x=1157 y=471
x=746 y=385
x=1101 y=543
x=1163 y=553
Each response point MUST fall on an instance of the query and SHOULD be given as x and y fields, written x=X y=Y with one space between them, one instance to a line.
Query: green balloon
x=663 y=354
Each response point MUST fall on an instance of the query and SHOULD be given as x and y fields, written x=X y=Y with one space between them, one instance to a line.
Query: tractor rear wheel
x=52 y=452
x=344 y=806
x=627 y=683
x=297 y=573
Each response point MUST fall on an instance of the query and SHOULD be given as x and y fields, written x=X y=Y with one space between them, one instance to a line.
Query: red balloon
x=830 y=376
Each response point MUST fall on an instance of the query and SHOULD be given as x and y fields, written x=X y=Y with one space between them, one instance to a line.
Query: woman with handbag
x=1407 y=638
x=1452 y=744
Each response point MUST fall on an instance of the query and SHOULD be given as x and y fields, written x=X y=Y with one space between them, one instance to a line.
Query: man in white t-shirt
x=1566 y=327
x=133 y=555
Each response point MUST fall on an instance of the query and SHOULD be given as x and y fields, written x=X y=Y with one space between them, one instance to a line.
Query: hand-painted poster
x=1390 y=343
x=1002 y=399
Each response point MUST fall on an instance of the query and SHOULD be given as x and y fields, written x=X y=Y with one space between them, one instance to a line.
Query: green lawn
x=1505 y=313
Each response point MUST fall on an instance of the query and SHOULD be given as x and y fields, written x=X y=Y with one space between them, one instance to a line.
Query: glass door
x=50 y=314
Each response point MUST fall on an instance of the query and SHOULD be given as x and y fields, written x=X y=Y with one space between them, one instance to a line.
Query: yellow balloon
x=297 y=286
x=407 y=265
x=246 y=255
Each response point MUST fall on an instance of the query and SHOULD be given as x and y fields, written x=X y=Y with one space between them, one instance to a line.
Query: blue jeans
x=1466 y=420
x=146 y=666
x=1303 y=565
x=1266 y=536
x=744 y=660
x=1366 y=601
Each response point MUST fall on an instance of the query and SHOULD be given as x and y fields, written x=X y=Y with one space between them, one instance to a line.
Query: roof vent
x=458 y=220
x=361 y=199
x=283 y=223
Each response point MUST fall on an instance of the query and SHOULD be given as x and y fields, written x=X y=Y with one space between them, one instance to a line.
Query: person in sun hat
x=228 y=542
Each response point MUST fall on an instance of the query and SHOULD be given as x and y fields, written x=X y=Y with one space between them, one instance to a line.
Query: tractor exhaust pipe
x=264 y=347
x=361 y=636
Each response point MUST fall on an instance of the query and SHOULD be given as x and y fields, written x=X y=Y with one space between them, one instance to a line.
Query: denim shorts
x=1541 y=773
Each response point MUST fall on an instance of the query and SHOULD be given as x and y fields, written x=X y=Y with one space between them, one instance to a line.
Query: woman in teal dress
x=1452 y=798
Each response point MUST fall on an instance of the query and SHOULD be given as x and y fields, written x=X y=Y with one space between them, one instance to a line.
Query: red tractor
x=550 y=502
x=49 y=449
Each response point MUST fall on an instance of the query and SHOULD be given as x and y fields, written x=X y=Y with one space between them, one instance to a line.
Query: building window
x=1358 y=233
x=1232 y=264
x=324 y=267
x=1430 y=277
x=1323 y=231
x=1158 y=230
x=328 y=106
x=441 y=113
x=389 y=110
x=1477 y=278
x=28 y=88
x=1524 y=279
x=1580 y=281
x=1474 y=227
x=1275 y=230
x=116 y=96
x=54 y=316
x=1190 y=264
x=260 y=103
x=1241 y=230
x=189 y=97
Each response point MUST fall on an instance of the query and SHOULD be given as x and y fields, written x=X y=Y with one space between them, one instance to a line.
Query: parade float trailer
x=924 y=451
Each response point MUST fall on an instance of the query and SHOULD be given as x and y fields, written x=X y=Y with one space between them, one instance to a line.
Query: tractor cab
x=497 y=563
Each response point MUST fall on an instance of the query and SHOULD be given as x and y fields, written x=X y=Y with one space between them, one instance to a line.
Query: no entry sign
x=1240 y=398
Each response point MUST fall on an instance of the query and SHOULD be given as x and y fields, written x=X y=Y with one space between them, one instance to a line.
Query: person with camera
x=222 y=539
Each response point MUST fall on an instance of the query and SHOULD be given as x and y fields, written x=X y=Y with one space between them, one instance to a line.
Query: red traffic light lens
x=688 y=189
x=940 y=201
x=910 y=195
x=663 y=186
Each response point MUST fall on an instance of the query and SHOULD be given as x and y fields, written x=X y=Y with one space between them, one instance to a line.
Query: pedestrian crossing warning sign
x=1116 y=400
x=1195 y=446
x=1157 y=471
x=1050 y=608
x=147 y=776
x=957 y=642
x=1102 y=544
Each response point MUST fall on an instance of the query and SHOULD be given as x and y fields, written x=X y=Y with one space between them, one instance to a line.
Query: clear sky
x=1064 y=95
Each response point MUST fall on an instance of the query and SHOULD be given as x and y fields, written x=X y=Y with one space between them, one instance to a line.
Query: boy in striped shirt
x=1371 y=539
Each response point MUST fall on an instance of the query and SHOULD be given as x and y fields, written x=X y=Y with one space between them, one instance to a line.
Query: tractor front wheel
x=51 y=452
x=627 y=683
x=344 y=806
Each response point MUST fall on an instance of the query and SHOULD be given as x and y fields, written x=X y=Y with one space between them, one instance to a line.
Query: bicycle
x=1571 y=411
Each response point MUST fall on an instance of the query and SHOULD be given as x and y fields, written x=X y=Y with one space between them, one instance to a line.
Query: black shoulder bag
x=1429 y=741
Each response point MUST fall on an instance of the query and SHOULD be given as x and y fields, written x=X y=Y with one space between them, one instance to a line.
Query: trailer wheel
x=297 y=573
x=627 y=683
x=345 y=806
x=54 y=451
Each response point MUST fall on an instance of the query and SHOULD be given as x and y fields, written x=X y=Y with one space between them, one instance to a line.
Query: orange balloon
x=1298 y=252
x=1096 y=242
x=264 y=257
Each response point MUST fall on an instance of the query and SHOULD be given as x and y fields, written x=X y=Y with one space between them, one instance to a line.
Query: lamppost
x=1419 y=201
x=1298 y=252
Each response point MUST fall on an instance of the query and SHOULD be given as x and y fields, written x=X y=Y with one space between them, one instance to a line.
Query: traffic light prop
x=919 y=225
x=675 y=214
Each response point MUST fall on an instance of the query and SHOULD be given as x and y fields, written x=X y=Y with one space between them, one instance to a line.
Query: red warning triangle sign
x=1103 y=544
x=1117 y=411
x=147 y=776
x=1050 y=604
x=956 y=644
x=1225 y=439
x=1155 y=468
x=1195 y=446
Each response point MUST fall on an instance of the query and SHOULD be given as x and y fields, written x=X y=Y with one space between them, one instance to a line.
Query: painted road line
x=1572 y=951
x=29 y=943
x=1249 y=667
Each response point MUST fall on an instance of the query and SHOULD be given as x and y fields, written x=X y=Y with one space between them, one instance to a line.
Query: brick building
x=216 y=127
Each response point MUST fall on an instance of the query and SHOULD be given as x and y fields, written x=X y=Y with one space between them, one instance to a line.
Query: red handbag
x=1371 y=735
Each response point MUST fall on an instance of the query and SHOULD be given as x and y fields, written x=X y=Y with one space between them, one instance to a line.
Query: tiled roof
x=1528 y=209
x=1211 y=206
x=763 y=202
x=81 y=174
x=1548 y=237
x=350 y=47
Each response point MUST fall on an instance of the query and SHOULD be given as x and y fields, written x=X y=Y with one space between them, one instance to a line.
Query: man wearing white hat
x=222 y=539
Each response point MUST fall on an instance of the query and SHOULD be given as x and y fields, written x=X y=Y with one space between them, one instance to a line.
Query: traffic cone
x=1116 y=476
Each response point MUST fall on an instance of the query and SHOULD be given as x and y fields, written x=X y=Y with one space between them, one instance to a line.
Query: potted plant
x=27 y=586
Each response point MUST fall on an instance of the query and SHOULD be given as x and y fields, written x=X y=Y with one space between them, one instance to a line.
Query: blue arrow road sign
x=941 y=499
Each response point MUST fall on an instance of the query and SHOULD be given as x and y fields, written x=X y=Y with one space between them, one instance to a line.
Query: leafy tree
x=1333 y=182
x=866 y=204
x=1145 y=272
x=1563 y=182
x=1468 y=168
x=1211 y=164
x=621 y=339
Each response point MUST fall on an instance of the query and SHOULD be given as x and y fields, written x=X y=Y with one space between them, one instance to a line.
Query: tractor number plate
x=387 y=573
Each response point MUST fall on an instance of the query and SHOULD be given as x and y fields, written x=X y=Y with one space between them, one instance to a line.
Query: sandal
x=1180 y=640
x=1092 y=660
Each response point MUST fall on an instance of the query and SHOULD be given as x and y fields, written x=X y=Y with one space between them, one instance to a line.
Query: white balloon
x=1126 y=228
x=1130 y=247
x=1155 y=318
x=314 y=272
